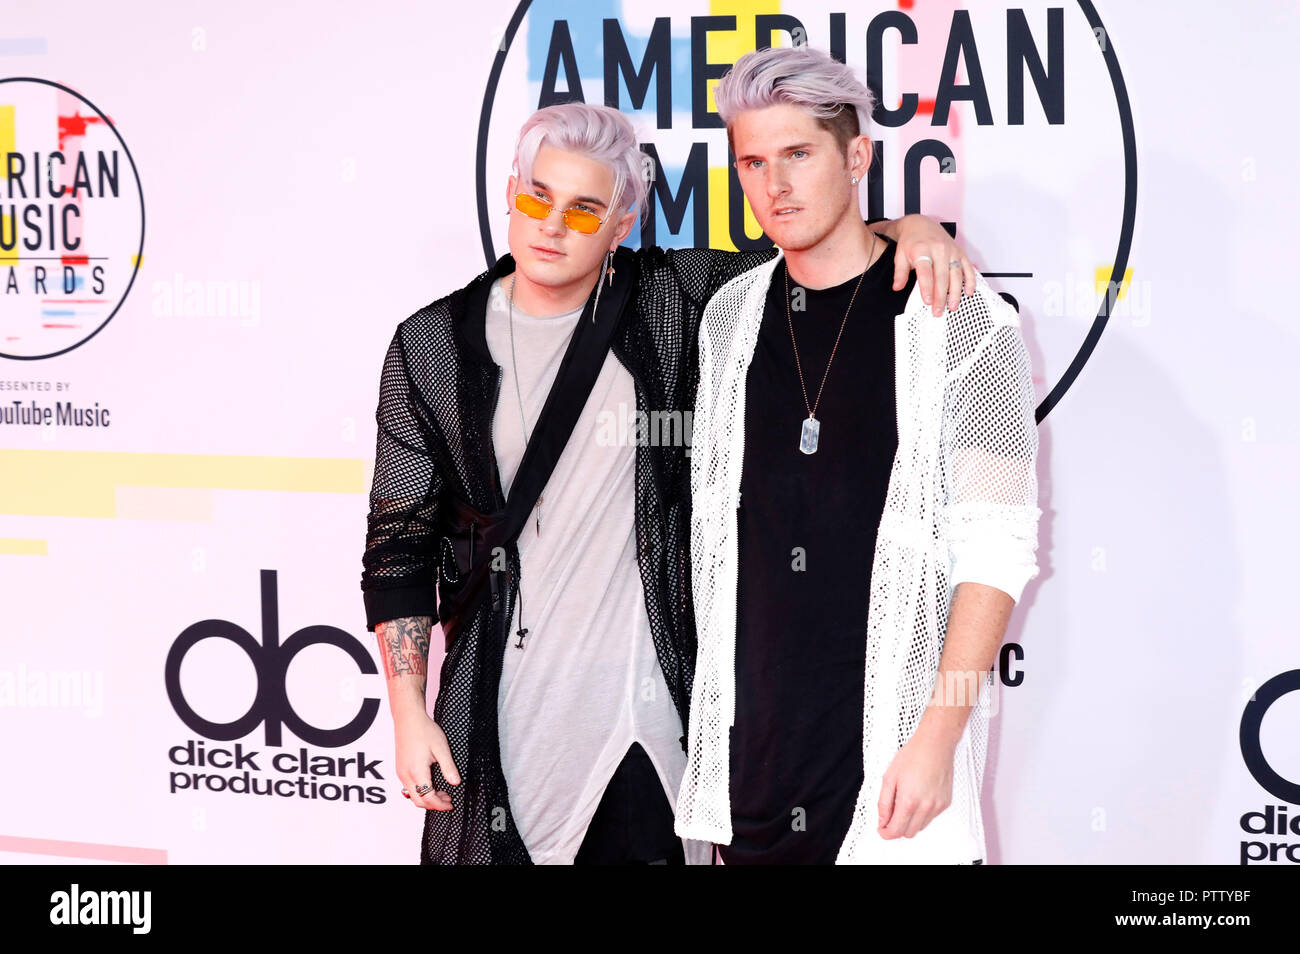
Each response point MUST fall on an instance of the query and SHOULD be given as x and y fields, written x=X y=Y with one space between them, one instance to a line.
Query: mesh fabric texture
x=437 y=398
x=961 y=506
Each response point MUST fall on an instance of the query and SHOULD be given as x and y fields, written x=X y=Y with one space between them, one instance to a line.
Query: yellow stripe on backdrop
x=86 y=483
x=8 y=144
x=727 y=47
x=1102 y=280
x=20 y=546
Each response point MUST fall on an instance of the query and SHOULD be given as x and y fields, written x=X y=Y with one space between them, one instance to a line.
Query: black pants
x=633 y=824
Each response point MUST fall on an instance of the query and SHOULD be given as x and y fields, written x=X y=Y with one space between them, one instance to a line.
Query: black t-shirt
x=807 y=532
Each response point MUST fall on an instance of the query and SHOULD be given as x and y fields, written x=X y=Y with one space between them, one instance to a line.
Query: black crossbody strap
x=574 y=380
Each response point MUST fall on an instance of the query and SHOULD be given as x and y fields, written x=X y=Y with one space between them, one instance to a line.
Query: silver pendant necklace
x=810 y=432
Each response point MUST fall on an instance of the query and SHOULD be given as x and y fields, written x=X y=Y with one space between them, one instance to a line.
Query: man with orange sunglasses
x=558 y=737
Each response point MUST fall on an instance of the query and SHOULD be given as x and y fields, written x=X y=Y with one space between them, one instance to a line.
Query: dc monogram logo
x=271 y=658
x=1251 y=750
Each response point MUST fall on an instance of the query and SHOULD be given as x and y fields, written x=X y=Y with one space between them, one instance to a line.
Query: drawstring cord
x=522 y=631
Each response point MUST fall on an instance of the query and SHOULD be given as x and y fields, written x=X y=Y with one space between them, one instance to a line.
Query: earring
x=609 y=267
x=854 y=180
x=609 y=271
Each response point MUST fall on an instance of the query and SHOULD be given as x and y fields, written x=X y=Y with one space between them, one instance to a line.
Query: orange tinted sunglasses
x=579 y=220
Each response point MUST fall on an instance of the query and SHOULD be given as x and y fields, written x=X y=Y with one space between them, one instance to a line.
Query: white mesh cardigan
x=961 y=505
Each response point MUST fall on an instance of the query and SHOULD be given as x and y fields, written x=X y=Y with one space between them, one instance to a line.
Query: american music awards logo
x=71 y=219
x=998 y=110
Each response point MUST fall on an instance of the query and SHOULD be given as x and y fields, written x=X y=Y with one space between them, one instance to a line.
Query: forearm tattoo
x=404 y=645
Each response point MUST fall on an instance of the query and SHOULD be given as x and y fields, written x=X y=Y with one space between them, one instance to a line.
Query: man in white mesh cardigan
x=852 y=581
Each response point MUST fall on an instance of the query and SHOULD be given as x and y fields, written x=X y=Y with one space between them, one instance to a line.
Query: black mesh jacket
x=435 y=472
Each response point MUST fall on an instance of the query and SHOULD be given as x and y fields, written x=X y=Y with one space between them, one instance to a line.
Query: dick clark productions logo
x=271 y=707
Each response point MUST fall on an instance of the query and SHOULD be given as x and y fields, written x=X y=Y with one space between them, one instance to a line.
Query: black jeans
x=633 y=824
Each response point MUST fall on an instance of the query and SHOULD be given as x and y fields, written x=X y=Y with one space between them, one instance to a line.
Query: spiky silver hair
x=800 y=76
x=598 y=132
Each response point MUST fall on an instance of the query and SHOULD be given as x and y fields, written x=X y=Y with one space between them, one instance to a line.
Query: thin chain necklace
x=514 y=365
x=522 y=631
x=811 y=430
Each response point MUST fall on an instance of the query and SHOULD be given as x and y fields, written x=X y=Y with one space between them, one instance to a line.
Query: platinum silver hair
x=597 y=132
x=799 y=76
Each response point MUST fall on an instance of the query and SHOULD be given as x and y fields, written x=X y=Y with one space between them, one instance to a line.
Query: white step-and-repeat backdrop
x=212 y=215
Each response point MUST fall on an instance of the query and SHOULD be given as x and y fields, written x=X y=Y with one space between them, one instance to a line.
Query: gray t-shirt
x=587 y=683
